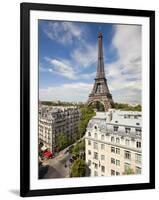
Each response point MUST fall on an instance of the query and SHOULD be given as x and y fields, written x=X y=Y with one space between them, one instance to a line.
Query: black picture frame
x=25 y=9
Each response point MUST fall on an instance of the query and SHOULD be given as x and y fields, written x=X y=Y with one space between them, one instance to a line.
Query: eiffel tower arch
x=100 y=92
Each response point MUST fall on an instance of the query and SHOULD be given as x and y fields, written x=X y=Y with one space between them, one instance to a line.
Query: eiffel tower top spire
x=100 y=92
x=100 y=66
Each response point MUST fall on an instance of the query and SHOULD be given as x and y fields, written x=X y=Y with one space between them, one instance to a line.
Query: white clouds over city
x=123 y=74
x=76 y=91
x=63 y=32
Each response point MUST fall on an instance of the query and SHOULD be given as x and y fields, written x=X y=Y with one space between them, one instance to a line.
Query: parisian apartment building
x=113 y=143
x=56 y=120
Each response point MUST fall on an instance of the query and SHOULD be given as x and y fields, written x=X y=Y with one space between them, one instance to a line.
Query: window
x=113 y=149
x=95 y=145
x=89 y=152
x=95 y=135
x=127 y=166
x=102 y=137
x=116 y=128
x=117 y=151
x=89 y=162
x=89 y=142
x=127 y=142
x=89 y=134
x=118 y=162
x=127 y=155
x=138 y=144
x=102 y=157
x=117 y=140
x=138 y=131
x=95 y=166
x=102 y=146
x=112 y=139
x=112 y=160
x=96 y=155
x=127 y=130
x=103 y=168
x=117 y=173
x=112 y=172
x=138 y=158
x=95 y=173
x=138 y=170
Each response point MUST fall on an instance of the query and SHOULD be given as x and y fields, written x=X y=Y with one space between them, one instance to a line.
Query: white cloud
x=63 y=32
x=124 y=75
x=66 y=92
x=87 y=75
x=85 y=55
x=62 y=68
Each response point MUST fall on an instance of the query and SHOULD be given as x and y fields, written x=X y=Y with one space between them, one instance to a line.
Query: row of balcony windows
x=127 y=156
x=116 y=128
x=112 y=171
x=127 y=143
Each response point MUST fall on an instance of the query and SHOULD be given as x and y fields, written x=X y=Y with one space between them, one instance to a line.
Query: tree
x=98 y=106
x=78 y=168
x=127 y=107
x=86 y=114
x=62 y=141
x=128 y=171
x=79 y=148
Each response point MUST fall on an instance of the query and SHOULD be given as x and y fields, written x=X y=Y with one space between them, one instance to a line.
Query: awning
x=43 y=148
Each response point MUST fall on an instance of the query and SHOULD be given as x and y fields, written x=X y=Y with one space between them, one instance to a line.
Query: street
x=57 y=167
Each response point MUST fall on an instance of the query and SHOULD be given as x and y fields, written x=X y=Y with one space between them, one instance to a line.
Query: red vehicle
x=48 y=154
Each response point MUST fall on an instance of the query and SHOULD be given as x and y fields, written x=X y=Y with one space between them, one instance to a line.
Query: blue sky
x=68 y=60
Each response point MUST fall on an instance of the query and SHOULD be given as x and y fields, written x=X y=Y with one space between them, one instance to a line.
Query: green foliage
x=78 y=168
x=78 y=148
x=127 y=107
x=128 y=171
x=62 y=141
x=86 y=114
x=98 y=106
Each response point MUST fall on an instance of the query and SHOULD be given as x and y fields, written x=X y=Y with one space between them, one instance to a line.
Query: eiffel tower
x=100 y=92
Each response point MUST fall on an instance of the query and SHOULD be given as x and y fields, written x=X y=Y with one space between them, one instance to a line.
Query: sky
x=68 y=60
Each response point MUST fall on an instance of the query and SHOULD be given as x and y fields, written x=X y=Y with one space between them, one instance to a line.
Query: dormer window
x=127 y=130
x=95 y=127
x=127 y=142
x=112 y=139
x=115 y=128
x=102 y=137
x=117 y=140
x=138 y=131
x=95 y=135
x=138 y=144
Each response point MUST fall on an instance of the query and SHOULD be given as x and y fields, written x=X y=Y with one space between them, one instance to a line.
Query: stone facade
x=113 y=143
x=56 y=120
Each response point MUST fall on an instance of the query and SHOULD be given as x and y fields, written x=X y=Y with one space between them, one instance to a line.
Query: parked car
x=48 y=154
